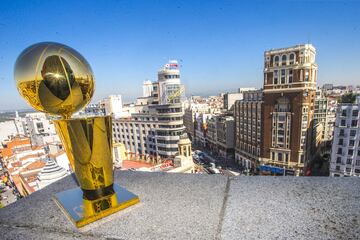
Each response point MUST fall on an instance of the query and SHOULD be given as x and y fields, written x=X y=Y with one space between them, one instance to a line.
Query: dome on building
x=50 y=173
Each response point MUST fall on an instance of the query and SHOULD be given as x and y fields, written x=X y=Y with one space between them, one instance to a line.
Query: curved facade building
x=156 y=124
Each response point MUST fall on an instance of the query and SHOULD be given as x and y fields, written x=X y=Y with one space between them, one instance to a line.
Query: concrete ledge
x=187 y=206
x=292 y=208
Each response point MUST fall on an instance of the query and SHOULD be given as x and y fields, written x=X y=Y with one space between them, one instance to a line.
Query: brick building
x=248 y=132
x=288 y=106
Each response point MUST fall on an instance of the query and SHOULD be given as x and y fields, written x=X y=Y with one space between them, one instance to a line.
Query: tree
x=347 y=98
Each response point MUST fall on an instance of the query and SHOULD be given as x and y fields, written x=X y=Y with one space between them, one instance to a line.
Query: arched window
x=276 y=61
x=283 y=60
x=292 y=58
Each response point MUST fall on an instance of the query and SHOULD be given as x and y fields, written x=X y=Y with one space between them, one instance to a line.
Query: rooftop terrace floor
x=189 y=206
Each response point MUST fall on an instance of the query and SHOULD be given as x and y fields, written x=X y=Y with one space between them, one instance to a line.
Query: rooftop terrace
x=189 y=206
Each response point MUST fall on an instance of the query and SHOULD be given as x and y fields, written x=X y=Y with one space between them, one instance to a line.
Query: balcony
x=187 y=206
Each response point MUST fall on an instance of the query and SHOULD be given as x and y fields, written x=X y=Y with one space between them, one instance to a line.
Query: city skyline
x=223 y=45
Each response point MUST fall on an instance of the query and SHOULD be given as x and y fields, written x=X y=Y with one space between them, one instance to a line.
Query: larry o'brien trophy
x=56 y=79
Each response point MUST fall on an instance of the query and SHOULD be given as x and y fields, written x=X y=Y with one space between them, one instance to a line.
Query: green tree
x=347 y=98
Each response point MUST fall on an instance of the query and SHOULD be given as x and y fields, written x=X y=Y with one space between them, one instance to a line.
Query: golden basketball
x=54 y=78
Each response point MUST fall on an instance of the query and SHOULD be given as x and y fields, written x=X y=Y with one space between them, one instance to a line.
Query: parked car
x=201 y=154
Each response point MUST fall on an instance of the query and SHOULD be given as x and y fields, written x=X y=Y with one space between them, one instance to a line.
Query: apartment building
x=345 y=153
x=215 y=132
x=288 y=106
x=211 y=136
x=154 y=127
x=201 y=128
x=190 y=114
x=248 y=133
x=324 y=115
x=230 y=98
x=112 y=105
x=225 y=136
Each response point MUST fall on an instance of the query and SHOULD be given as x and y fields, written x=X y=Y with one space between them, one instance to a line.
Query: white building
x=113 y=105
x=191 y=112
x=39 y=128
x=147 y=88
x=345 y=154
x=7 y=129
x=155 y=123
x=230 y=98
x=201 y=125
x=170 y=88
x=324 y=115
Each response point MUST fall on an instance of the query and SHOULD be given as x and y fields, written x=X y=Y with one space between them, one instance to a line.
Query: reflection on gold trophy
x=56 y=79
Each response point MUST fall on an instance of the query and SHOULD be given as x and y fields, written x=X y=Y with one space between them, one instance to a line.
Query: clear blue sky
x=220 y=43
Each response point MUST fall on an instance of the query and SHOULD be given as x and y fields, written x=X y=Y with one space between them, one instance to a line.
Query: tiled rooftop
x=189 y=206
x=127 y=164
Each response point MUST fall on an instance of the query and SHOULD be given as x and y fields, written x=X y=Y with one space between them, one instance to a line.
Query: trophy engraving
x=56 y=79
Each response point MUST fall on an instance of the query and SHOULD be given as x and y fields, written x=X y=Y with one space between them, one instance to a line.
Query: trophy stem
x=88 y=145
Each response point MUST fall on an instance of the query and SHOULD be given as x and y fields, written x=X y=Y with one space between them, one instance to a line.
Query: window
x=276 y=75
x=351 y=143
x=357 y=163
x=352 y=133
x=355 y=113
x=354 y=123
x=338 y=160
x=273 y=156
x=292 y=58
x=341 y=141
x=348 y=161
x=350 y=152
x=337 y=168
x=357 y=170
x=306 y=75
x=348 y=170
x=343 y=114
x=343 y=123
x=342 y=132
x=290 y=76
x=280 y=157
x=282 y=76
x=276 y=61
x=339 y=151
x=283 y=60
x=281 y=118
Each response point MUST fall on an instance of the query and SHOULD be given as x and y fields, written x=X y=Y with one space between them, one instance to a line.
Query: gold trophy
x=56 y=79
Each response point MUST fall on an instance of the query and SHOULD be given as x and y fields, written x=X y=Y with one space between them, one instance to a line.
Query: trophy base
x=82 y=212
